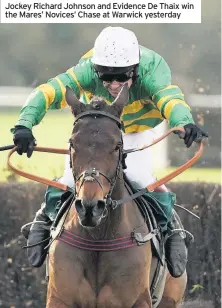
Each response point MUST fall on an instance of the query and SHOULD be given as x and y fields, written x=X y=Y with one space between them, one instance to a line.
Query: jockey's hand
x=193 y=133
x=24 y=140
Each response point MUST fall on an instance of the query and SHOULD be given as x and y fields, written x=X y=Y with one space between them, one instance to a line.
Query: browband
x=98 y=113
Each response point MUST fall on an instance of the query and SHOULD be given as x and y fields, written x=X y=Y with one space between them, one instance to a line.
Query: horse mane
x=98 y=103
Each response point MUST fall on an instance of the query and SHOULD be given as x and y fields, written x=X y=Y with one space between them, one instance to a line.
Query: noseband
x=93 y=174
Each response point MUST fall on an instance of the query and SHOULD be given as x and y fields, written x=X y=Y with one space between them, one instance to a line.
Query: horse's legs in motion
x=173 y=292
x=56 y=304
x=144 y=301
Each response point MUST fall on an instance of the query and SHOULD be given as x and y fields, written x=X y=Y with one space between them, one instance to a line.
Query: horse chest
x=102 y=279
x=121 y=271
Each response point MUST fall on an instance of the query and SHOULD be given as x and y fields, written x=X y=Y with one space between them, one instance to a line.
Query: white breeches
x=139 y=164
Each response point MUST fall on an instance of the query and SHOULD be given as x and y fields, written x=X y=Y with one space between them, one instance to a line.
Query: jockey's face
x=115 y=86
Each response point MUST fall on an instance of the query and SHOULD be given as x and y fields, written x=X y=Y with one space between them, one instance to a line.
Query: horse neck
x=110 y=226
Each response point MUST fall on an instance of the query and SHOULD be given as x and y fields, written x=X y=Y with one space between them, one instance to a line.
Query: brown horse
x=96 y=264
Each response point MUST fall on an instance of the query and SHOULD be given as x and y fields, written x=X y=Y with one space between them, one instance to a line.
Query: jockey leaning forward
x=116 y=59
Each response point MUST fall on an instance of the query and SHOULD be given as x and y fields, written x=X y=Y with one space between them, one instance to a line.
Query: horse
x=95 y=263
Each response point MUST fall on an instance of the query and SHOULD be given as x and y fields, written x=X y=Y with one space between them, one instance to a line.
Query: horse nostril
x=101 y=204
x=79 y=206
x=99 y=208
x=90 y=208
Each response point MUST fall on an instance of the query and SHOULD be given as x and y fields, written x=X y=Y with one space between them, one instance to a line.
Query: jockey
x=116 y=59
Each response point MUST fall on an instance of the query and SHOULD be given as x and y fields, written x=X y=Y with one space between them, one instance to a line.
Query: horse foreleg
x=143 y=301
x=57 y=303
x=173 y=292
x=53 y=301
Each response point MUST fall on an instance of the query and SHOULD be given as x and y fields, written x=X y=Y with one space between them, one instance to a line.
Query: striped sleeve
x=51 y=95
x=168 y=98
x=170 y=102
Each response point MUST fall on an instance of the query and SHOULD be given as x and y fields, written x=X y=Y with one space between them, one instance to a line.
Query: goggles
x=120 y=77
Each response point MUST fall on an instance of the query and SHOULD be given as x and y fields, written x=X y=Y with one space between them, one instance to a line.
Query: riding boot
x=38 y=233
x=176 y=247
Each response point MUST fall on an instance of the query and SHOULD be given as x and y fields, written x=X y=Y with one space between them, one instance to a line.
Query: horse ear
x=121 y=100
x=76 y=106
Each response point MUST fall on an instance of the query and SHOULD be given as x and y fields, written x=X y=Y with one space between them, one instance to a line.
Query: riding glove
x=24 y=140
x=193 y=133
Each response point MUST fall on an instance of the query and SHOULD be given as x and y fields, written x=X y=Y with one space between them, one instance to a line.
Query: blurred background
x=32 y=54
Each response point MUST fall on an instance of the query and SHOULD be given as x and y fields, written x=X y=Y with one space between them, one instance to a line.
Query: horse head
x=96 y=149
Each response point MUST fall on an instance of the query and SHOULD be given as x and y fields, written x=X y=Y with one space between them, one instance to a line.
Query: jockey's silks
x=152 y=98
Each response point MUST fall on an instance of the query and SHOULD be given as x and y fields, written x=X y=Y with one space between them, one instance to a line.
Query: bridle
x=93 y=174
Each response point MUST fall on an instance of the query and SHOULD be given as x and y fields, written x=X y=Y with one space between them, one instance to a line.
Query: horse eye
x=118 y=147
x=70 y=143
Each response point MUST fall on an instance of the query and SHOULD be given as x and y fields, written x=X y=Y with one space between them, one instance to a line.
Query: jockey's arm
x=168 y=98
x=51 y=95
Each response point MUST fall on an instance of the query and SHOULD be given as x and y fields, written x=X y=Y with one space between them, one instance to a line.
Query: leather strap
x=38 y=178
x=98 y=113
x=150 y=187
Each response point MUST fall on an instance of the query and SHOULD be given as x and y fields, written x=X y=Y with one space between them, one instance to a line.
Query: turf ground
x=54 y=131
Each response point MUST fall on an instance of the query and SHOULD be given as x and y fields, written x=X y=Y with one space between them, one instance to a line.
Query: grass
x=54 y=131
x=209 y=175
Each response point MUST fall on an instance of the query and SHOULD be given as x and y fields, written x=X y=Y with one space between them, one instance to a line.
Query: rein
x=150 y=187
x=93 y=174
